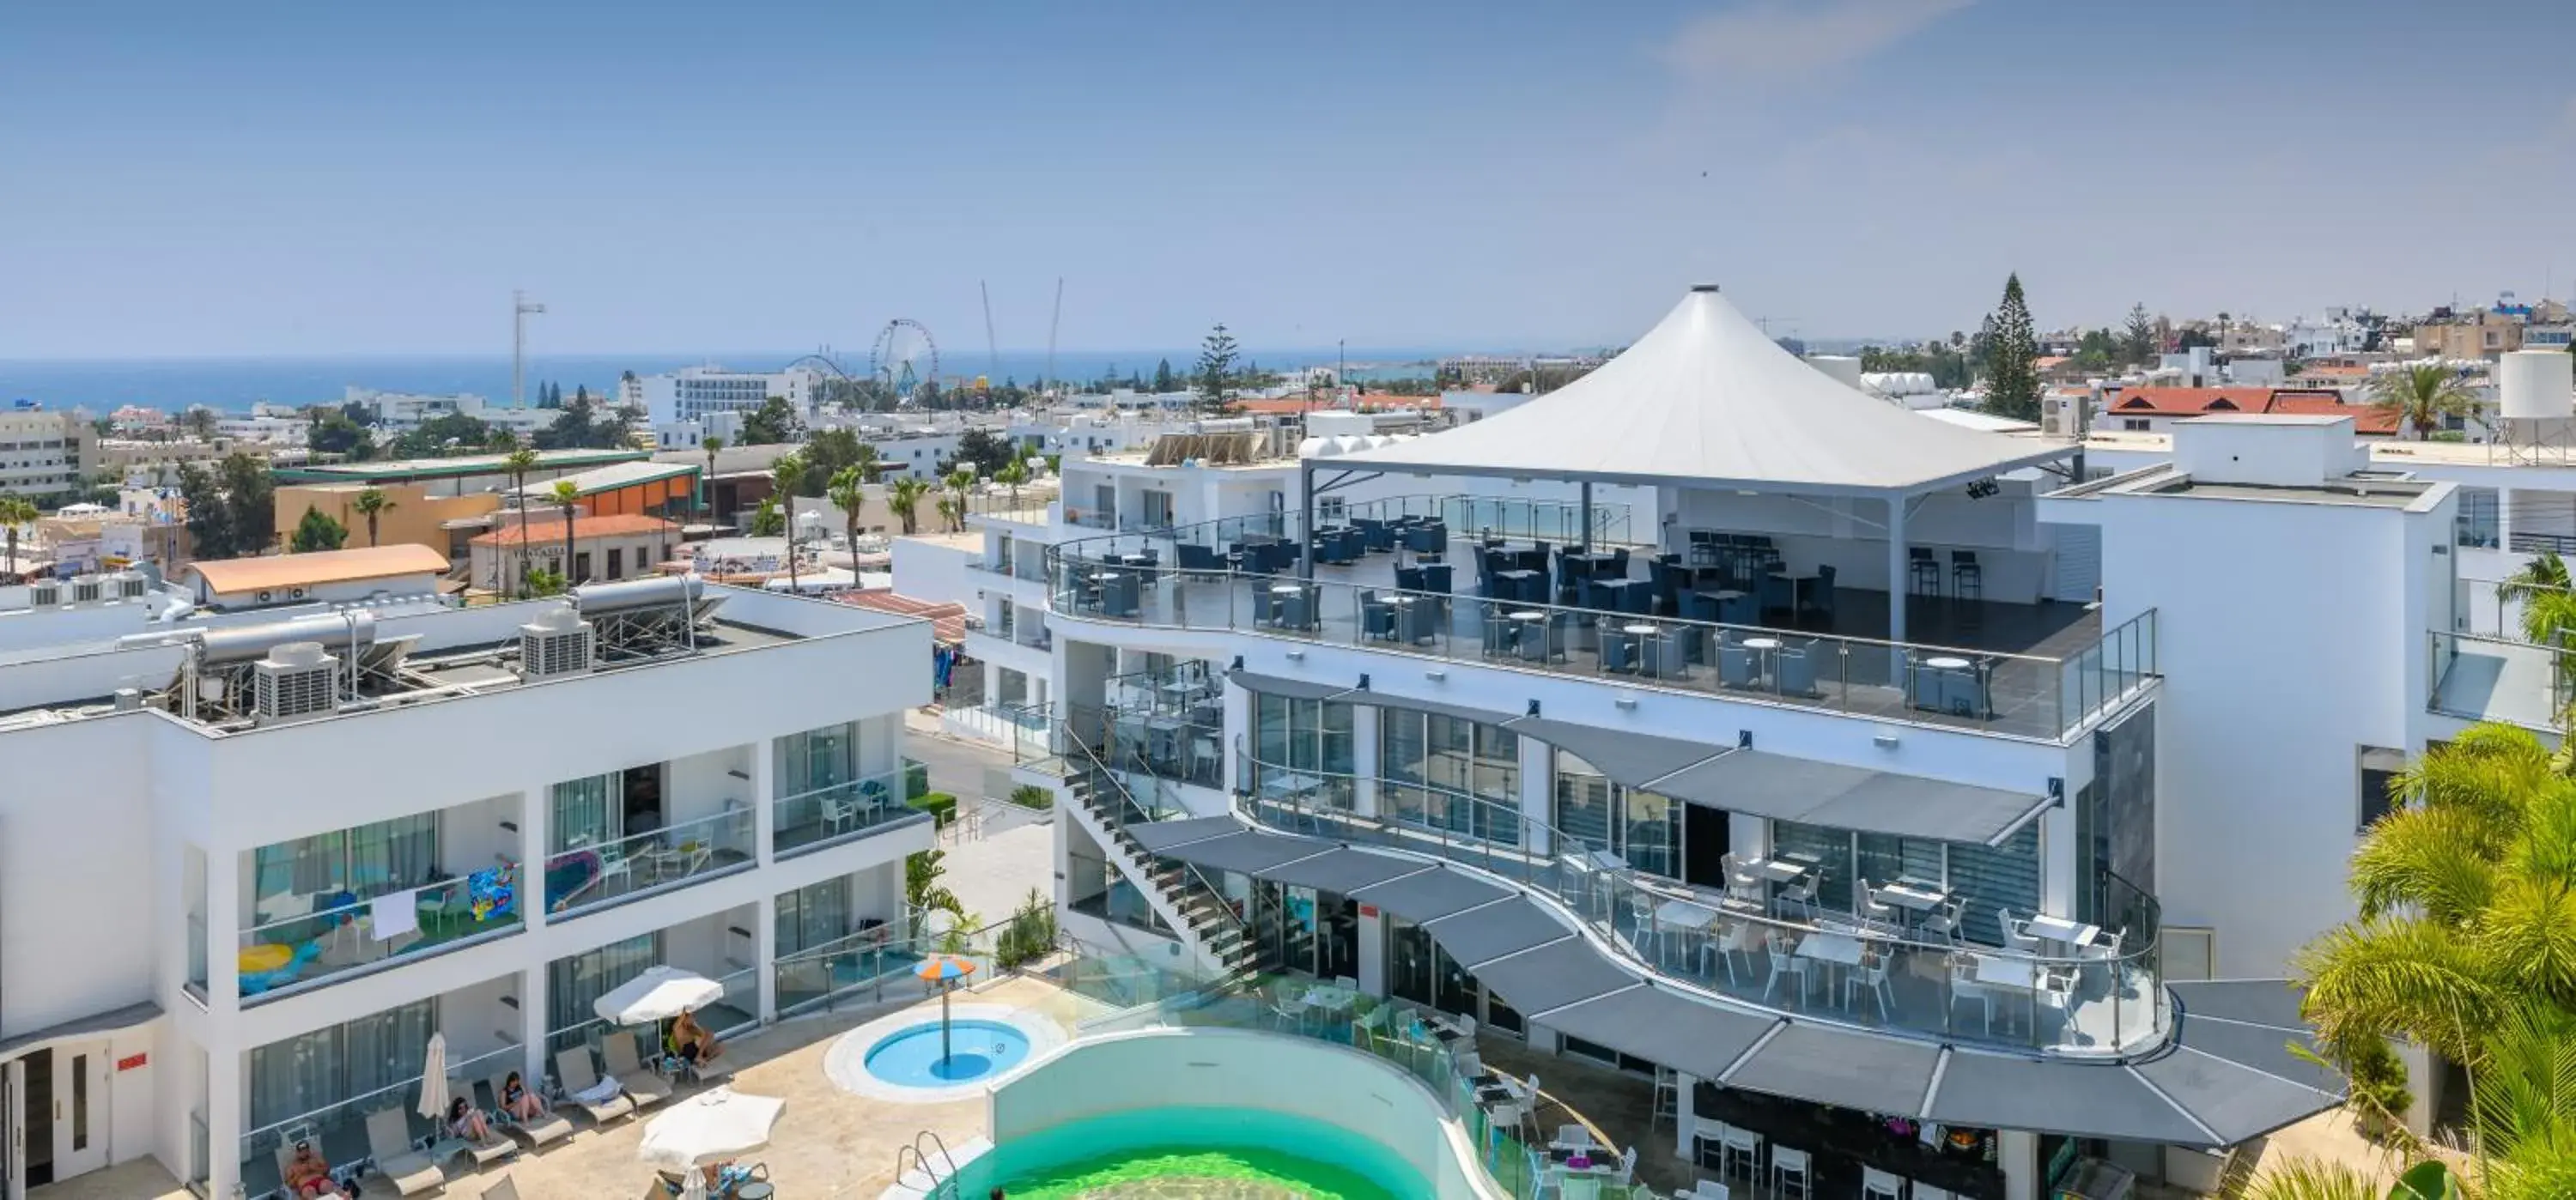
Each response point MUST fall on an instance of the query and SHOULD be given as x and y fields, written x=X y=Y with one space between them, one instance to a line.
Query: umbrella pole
x=943 y=1024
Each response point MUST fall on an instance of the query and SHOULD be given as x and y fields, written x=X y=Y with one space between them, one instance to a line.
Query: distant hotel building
x=693 y=394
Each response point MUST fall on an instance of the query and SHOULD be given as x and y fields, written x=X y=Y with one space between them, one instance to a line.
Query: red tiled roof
x=547 y=526
x=947 y=618
x=2191 y=401
x=2369 y=420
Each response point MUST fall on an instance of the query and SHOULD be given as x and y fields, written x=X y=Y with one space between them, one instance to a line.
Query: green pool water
x=1194 y=1153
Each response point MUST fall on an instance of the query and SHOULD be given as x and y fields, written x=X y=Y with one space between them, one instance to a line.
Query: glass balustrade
x=1894 y=963
x=838 y=812
x=586 y=876
x=347 y=933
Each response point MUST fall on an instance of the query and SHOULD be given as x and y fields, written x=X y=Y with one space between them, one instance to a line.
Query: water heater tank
x=2536 y=385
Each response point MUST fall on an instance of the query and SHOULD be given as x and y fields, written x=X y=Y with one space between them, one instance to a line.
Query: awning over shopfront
x=2225 y=1076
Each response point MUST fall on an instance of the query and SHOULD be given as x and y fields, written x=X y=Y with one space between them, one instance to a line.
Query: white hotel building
x=2111 y=724
x=250 y=861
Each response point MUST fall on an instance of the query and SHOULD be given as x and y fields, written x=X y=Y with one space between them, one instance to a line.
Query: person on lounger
x=693 y=1043
x=308 y=1174
x=466 y=1121
x=520 y=1102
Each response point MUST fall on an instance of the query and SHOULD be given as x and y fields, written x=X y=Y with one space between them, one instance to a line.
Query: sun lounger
x=548 y=1127
x=492 y=1149
x=573 y=1071
x=389 y=1140
x=644 y=1087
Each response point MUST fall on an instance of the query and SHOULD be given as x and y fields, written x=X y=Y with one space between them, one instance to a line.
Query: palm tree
x=371 y=504
x=2421 y=395
x=784 y=475
x=2548 y=603
x=904 y=498
x=519 y=462
x=958 y=482
x=869 y=467
x=1012 y=475
x=849 y=494
x=566 y=492
x=707 y=504
x=14 y=512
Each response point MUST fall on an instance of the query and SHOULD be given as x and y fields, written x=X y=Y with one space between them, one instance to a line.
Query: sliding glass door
x=329 y=1066
x=1641 y=827
x=1990 y=878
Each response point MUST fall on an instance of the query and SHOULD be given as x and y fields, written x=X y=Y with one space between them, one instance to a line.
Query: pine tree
x=1163 y=381
x=1216 y=369
x=2140 y=334
x=2012 y=373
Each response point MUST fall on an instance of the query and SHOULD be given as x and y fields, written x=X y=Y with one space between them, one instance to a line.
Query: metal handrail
x=1524 y=861
x=1128 y=842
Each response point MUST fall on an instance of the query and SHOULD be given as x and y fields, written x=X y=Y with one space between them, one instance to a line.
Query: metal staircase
x=1206 y=919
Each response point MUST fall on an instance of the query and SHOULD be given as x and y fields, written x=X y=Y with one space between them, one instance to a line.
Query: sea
x=235 y=384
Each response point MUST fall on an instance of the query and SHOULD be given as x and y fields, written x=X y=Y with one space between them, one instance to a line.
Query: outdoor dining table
x=1835 y=949
x=1797 y=581
x=1915 y=898
x=2020 y=976
x=2061 y=931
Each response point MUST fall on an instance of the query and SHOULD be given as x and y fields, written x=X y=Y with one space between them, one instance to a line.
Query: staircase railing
x=1116 y=813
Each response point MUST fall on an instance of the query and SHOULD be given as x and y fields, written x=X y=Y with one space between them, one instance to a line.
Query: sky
x=292 y=178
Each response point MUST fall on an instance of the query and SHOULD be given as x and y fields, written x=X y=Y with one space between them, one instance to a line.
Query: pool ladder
x=933 y=1184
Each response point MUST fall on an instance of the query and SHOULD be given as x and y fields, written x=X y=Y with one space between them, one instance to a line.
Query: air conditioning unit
x=130 y=585
x=557 y=643
x=44 y=595
x=297 y=679
x=86 y=589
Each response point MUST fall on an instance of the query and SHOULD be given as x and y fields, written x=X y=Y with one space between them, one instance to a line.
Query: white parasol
x=433 y=1080
x=712 y=1126
x=659 y=994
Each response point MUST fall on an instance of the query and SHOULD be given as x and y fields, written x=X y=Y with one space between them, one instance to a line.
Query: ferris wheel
x=904 y=357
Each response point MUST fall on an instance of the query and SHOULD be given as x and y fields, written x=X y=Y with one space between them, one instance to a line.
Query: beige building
x=2470 y=335
x=44 y=454
x=621 y=546
x=160 y=461
x=442 y=523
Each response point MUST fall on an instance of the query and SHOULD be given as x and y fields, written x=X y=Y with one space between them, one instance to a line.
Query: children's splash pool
x=925 y=1055
x=1241 y=1154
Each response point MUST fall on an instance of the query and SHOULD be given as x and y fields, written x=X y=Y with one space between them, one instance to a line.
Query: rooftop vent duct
x=557 y=643
x=295 y=680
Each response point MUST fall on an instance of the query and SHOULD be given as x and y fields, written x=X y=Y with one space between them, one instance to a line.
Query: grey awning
x=114 y=1020
x=1305 y=689
x=1294 y=689
x=1158 y=836
x=2006 y=1092
x=1552 y=977
x=1783 y=788
x=1846 y=1068
x=1249 y=853
x=1691 y=1036
x=1345 y=871
x=1633 y=759
x=1430 y=895
x=1480 y=935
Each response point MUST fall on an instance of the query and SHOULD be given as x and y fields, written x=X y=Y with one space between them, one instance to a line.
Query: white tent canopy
x=1707 y=399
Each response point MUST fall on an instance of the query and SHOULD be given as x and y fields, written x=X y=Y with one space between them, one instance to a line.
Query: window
x=2134 y=424
x=574 y=984
x=2477 y=523
x=2379 y=771
x=1641 y=827
x=814 y=915
x=616 y=562
x=300 y=1074
x=1302 y=750
x=1443 y=772
x=580 y=567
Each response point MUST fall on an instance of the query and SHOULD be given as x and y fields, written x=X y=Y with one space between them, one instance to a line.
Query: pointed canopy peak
x=1707 y=398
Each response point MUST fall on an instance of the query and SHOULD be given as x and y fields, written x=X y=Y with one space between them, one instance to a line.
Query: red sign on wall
x=132 y=1061
x=1368 y=910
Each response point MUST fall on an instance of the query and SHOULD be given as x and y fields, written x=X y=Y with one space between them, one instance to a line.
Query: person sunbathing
x=466 y=1121
x=693 y=1043
x=308 y=1174
x=520 y=1102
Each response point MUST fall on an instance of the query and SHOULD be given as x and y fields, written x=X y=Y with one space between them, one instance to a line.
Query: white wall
x=934 y=570
x=2290 y=635
x=1222 y=1068
x=77 y=875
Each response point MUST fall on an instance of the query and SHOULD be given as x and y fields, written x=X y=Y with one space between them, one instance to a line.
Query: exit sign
x=132 y=1061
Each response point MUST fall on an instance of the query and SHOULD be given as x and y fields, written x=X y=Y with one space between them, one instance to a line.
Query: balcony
x=2038 y=671
x=347 y=933
x=1777 y=937
x=589 y=876
x=840 y=812
x=2501 y=679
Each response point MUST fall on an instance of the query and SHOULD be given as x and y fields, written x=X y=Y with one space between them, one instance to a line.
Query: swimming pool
x=1239 y=1153
x=926 y=1056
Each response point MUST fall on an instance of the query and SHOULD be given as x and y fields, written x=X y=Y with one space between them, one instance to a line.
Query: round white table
x=1946 y=663
x=1762 y=644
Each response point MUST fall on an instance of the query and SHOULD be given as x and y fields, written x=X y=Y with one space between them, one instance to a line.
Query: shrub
x=1030 y=934
x=1030 y=795
x=941 y=806
x=916 y=780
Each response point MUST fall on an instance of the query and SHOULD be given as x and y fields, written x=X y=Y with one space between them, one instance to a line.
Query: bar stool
x=1667 y=1098
x=1741 y=1144
x=1922 y=571
x=1876 y=1184
x=1967 y=579
x=1790 y=1166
